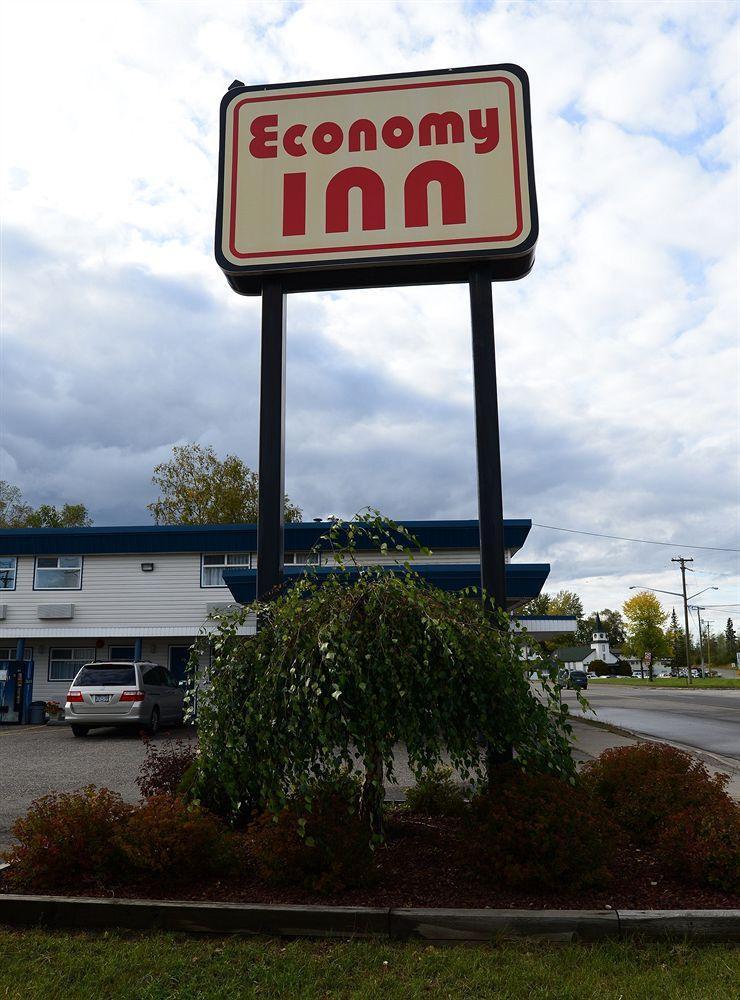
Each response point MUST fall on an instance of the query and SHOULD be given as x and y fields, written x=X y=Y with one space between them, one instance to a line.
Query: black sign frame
x=443 y=267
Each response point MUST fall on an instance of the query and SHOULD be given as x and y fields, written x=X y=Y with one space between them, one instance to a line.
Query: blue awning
x=524 y=581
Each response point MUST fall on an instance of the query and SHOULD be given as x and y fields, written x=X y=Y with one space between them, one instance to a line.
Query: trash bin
x=37 y=714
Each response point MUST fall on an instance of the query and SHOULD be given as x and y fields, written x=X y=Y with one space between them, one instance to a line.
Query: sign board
x=398 y=179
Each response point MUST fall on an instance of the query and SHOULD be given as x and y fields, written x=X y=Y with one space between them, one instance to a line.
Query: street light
x=685 y=599
x=675 y=593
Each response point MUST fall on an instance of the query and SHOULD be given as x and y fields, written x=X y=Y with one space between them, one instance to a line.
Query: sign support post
x=271 y=502
x=490 y=491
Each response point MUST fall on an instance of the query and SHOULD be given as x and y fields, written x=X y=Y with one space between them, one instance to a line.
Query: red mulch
x=423 y=864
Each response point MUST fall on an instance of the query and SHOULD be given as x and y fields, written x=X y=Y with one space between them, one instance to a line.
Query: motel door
x=178 y=661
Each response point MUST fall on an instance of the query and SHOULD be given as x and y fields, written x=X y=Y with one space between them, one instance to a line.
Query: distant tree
x=539 y=605
x=16 y=513
x=566 y=602
x=197 y=487
x=71 y=515
x=645 y=619
x=730 y=643
x=676 y=644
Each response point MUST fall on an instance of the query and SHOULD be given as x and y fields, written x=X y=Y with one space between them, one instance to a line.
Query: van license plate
x=101 y=697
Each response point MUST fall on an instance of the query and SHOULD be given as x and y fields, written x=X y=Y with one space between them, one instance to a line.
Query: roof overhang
x=300 y=536
x=524 y=581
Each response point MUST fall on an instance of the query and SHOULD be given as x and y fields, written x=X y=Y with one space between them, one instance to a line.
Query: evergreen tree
x=730 y=649
x=677 y=644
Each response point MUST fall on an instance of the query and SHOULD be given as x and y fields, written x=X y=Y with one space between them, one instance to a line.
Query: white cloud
x=617 y=356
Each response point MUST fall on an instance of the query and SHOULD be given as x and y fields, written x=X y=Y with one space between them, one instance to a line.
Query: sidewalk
x=591 y=738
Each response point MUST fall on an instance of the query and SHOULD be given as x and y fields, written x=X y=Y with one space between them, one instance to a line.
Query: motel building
x=72 y=595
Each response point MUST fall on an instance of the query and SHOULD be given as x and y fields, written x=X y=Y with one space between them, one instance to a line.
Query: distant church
x=579 y=657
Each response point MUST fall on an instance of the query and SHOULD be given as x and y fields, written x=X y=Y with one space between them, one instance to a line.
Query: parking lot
x=35 y=760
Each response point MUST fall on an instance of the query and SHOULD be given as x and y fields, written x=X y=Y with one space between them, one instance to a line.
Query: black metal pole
x=488 y=447
x=490 y=492
x=272 y=440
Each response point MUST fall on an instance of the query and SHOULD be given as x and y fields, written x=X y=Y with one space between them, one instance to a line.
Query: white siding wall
x=118 y=602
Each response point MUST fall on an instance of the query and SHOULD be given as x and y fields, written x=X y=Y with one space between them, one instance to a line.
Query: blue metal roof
x=523 y=580
x=151 y=539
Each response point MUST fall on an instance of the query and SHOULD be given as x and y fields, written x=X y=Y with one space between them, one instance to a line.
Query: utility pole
x=682 y=560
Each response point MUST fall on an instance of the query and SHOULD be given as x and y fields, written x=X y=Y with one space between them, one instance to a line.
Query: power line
x=623 y=538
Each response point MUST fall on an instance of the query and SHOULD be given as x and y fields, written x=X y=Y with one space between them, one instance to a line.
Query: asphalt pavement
x=35 y=760
x=704 y=719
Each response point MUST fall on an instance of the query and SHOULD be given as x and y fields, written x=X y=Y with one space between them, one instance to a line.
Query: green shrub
x=321 y=844
x=436 y=794
x=67 y=840
x=535 y=831
x=599 y=668
x=164 y=838
x=643 y=785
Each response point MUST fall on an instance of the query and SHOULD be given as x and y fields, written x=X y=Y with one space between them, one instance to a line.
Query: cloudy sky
x=617 y=355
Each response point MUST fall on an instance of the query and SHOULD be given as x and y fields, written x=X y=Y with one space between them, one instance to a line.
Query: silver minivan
x=123 y=693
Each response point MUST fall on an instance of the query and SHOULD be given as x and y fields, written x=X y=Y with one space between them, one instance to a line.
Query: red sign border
x=266 y=254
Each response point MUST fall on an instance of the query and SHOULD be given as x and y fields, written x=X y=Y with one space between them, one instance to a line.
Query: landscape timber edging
x=437 y=925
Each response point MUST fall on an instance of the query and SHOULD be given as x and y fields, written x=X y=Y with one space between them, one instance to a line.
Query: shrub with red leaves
x=667 y=801
x=68 y=839
x=164 y=838
x=538 y=831
x=703 y=846
x=326 y=849
x=165 y=765
x=643 y=785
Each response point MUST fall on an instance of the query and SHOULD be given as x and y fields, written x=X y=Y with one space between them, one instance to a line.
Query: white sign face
x=378 y=170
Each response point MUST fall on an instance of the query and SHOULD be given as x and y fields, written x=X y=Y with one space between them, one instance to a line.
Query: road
x=707 y=720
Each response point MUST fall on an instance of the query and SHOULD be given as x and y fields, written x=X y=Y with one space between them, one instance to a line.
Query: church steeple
x=599 y=635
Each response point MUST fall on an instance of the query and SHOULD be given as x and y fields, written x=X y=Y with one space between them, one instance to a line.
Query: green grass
x=675 y=682
x=118 y=966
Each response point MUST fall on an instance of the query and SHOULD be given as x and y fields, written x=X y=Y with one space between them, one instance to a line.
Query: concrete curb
x=438 y=925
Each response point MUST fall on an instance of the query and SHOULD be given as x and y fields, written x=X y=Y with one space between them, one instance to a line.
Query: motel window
x=58 y=573
x=8 y=653
x=121 y=652
x=65 y=661
x=302 y=559
x=8 y=565
x=213 y=565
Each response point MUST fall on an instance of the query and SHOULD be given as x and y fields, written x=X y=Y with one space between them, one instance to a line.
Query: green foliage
x=537 y=830
x=436 y=793
x=343 y=669
x=599 y=668
x=729 y=643
x=318 y=842
x=16 y=513
x=197 y=487
x=66 y=840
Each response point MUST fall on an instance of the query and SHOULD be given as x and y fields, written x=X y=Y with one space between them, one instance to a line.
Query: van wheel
x=153 y=727
x=80 y=730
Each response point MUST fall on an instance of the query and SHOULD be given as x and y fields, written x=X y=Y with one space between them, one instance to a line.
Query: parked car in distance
x=123 y=693
x=573 y=679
